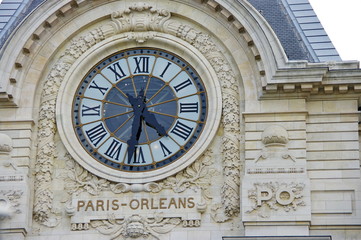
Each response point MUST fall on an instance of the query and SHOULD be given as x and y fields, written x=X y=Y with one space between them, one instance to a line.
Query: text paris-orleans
x=135 y=204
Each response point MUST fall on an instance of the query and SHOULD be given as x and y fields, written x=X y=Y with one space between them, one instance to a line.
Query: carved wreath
x=293 y=198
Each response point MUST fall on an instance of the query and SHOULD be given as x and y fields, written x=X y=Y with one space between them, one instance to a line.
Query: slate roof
x=12 y=12
x=298 y=29
x=294 y=21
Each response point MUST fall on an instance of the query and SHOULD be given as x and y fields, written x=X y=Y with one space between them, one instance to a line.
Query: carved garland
x=141 y=22
x=197 y=176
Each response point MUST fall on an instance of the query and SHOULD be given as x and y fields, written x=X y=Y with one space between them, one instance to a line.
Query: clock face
x=139 y=110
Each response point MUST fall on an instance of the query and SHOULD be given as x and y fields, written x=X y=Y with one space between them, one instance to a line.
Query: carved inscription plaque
x=86 y=208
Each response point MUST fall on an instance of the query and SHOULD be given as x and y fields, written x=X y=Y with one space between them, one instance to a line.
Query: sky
x=341 y=20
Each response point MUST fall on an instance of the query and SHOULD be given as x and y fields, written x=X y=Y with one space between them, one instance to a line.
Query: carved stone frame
x=111 y=45
x=156 y=21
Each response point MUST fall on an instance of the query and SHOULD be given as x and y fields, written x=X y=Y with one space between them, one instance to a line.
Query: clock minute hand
x=138 y=107
x=134 y=139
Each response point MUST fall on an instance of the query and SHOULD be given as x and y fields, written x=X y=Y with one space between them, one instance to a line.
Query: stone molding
x=158 y=20
x=314 y=79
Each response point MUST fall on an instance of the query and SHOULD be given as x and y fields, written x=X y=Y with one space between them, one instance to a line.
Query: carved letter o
x=284 y=201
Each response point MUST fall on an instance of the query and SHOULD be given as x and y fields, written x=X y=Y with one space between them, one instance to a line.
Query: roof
x=298 y=29
x=12 y=12
x=294 y=22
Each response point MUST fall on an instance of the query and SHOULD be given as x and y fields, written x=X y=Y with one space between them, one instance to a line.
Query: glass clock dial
x=139 y=110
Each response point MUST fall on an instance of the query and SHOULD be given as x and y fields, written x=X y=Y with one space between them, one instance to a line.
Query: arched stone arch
x=41 y=35
x=47 y=55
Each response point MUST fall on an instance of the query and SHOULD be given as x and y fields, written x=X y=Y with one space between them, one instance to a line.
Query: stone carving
x=275 y=186
x=135 y=226
x=47 y=128
x=275 y=196
x=139 y=19
x=6 y=145
x=275 y=135
x=276 y=170
x=12 y=178
x=10 y=201
x=197 y=176
x=275 y=139
x=80 y=180
x=231 y=114
x=141 y=37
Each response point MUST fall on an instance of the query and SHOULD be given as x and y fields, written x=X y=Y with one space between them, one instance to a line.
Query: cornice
x=313 y=80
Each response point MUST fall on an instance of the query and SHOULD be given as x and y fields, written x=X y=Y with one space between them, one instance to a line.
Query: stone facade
x=281 y=156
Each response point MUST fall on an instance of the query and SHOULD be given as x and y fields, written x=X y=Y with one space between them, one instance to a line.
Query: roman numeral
x=142 y=65
x=182 y=130
x=182 y=85
x=90 y=111
x=140 y=158
x=114 y=150
x=117 y=70
x=96 y=134
x=166 y=68
x=165 y=150
x=103 y=90
x=189 y=107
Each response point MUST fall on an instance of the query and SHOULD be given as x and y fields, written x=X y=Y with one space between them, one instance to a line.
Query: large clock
x=139 y=110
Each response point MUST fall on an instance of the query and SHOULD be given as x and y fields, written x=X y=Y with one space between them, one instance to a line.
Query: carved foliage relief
x=196 y=177
x=140 y=22
x=276 y=196
x=10 y=201
x=136 y=226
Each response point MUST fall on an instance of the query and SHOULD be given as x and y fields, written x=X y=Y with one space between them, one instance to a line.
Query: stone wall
x=281 y=155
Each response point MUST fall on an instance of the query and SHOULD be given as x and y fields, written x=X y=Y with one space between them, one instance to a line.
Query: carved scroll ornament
x=140 y=21
x=136 y=226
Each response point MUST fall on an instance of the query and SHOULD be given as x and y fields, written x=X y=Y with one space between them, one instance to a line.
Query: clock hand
x=148 y=117
x=134 y=139
x=138 y=108
x=151 y=121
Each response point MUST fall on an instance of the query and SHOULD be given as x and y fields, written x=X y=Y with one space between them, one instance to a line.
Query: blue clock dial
x=140 y=110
